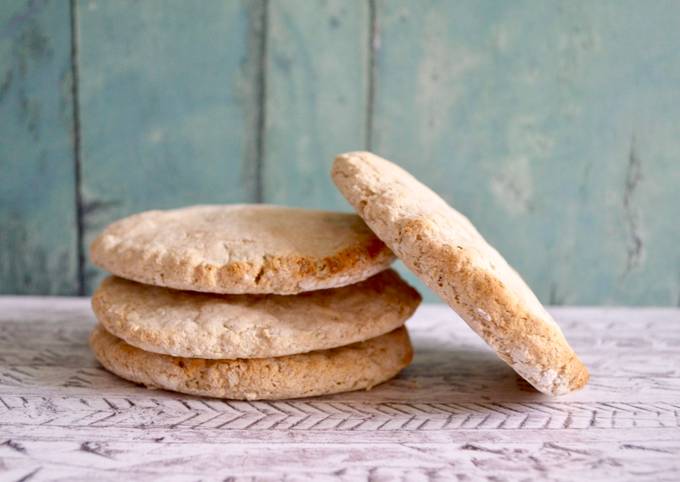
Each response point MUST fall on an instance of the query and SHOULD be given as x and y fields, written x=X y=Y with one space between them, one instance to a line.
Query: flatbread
x=355 y=367
x=443 y=248
x=198 y=325
x=241 y=249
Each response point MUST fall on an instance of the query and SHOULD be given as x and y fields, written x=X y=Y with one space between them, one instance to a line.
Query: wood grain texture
x=552 y=125
x=38 y=236
x=317 y=74
x=457 y=412
x=168 y=105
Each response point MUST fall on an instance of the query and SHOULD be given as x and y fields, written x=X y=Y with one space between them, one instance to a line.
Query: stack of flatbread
x=267 y=302
x=250 y=302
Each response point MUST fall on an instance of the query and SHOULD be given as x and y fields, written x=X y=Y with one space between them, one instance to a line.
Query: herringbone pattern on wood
x=457 y=412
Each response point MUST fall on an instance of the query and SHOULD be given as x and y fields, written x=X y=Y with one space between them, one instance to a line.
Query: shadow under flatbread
x=441 y=373
x=56 y=354
x=463 y=360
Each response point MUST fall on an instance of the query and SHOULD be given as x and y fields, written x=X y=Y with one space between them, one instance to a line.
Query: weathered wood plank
x=553 y=125
x=110 y=410
x=38 y=236
x=316 y=93
x=457 y=408
x=325 y=434
x=169 y=106
x=526 y=461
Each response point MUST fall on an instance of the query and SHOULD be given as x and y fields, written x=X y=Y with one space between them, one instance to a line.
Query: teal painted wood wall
x=554 y=125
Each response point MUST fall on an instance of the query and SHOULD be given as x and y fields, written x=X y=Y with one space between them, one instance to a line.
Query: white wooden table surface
x=457 y=413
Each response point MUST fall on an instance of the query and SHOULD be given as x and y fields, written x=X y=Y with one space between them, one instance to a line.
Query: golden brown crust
x=191 y=324
x=354 y=367
x=444 y=249
x=241 y=249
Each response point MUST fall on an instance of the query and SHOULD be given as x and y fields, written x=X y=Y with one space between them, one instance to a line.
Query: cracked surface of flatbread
x=444 y=249
x=359 y=366
x=241 y=249
x=199 y=325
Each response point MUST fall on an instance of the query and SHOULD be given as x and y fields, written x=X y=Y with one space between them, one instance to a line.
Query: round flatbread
x=241 y=249
x=197 y=325
x=354 y=367
x=443 y=248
